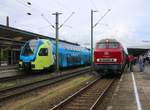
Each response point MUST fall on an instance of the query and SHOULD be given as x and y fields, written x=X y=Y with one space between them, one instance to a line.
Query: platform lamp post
x=57 y=34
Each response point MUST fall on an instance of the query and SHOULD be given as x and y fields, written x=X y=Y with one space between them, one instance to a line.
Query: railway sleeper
x=90 y=102
x=79 y=105
x=88 y=97
x=85 y=98
x=89 y=94
x=84 y=101
x=75 y=108
x=93 y=91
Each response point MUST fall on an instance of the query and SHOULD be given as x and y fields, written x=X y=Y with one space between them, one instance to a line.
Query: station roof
x=17 y=37
x=146 y=46
x=17 y=34
x=138 y=49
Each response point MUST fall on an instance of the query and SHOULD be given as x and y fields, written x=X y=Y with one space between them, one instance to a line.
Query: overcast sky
x=128 y=21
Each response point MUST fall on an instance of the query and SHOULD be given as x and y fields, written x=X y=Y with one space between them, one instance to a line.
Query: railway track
x=14 y=91
x=21 y=75
x=10 y=78
x=86 y=98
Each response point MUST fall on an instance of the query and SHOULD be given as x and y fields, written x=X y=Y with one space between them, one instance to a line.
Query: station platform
x=6 y=70
x=133 y=91
x=2 y=68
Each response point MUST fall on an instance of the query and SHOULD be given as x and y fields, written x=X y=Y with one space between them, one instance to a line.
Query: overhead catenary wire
x=21 y=2
x=41 y=14
x=29 y=4
x=47 y=20
x=102 y=18
x=66 y=19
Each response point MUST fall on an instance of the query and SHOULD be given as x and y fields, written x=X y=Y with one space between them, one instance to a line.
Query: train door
x=61 y=59
x=43 y=53
x=64 y=59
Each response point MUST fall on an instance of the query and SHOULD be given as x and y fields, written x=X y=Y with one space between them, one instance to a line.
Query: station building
x=11 y=41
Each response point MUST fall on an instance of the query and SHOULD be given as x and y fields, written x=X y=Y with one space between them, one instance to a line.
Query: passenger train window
x=101 y=45
x=113 y=44
x=43 y=52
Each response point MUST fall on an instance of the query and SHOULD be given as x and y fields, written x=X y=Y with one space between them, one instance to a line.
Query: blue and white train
x=39 y=54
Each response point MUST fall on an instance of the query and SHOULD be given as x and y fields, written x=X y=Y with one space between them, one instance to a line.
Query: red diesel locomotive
x=109 y=57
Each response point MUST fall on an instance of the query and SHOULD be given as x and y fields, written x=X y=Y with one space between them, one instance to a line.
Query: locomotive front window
x=43 y=52
x=113 y=45
x=29 y=48
x=101 y=45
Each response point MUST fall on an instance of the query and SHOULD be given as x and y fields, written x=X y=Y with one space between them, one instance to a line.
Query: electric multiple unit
x=39 y=54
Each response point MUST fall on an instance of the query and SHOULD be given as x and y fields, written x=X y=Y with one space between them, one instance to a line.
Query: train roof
x=72 y=47
x=114 y=40
x=108 y=40
x=69 y=46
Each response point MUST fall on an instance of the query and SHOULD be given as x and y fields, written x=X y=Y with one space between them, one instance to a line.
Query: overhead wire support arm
x=66 y=19
x=102 y=18
x=47 y=20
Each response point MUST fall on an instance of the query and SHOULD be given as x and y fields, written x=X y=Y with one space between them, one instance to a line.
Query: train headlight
x=98 y=60
x=114 y=59
x=20 y=62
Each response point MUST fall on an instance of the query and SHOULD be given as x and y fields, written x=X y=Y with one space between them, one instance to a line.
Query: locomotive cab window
x=113 y=45
x=43 y=52
x=101 y=45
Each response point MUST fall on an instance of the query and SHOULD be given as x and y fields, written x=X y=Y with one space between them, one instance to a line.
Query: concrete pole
x=57 y=40
x=7 y=21
x=91 y=40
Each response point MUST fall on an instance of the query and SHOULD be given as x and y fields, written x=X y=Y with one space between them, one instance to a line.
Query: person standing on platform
x=130 y=60
x=141 y=63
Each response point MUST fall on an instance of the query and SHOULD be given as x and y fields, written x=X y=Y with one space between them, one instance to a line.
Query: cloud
x=128 y=20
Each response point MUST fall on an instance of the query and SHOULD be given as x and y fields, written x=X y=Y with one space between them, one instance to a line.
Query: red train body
x=109 y=57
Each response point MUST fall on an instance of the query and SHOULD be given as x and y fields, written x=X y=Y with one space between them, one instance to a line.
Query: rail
x=86 y=98
x=4 y=94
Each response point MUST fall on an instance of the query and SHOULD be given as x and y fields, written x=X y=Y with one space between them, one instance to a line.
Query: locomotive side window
x=101 y=45
x=113 y=45
x=43 y=52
